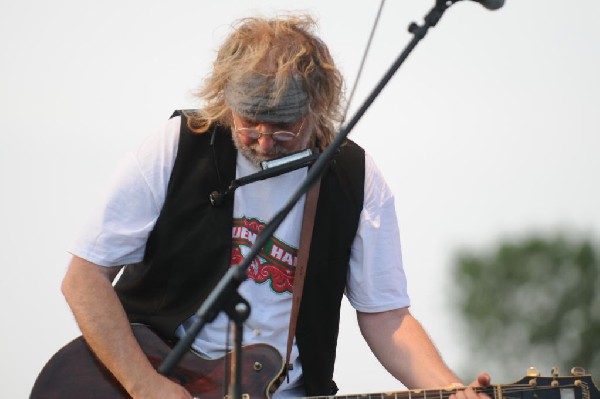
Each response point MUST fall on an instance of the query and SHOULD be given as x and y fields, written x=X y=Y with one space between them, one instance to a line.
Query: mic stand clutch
x=238 y=312
x=225 y=296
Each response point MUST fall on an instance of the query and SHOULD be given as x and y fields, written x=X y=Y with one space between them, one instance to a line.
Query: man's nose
x=266 y=142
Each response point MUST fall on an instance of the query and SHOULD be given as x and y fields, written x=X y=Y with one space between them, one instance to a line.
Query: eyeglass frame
x=245 y=130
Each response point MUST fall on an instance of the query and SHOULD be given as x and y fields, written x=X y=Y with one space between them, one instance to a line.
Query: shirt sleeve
x=376 y=279
x=119 y=227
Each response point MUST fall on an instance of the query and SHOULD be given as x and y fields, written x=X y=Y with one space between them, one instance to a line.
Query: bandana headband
x=253 y=99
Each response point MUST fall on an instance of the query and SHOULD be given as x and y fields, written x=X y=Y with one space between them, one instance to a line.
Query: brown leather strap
x=308 y=222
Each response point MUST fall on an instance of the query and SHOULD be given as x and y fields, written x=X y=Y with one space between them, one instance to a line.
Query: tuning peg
x=577 y=371
x=532 y=372
x=554 y=372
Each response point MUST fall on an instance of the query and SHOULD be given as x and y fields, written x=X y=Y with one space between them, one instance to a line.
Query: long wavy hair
x=277 y=48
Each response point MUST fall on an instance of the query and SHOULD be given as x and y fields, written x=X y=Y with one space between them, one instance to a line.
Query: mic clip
x=216 y=198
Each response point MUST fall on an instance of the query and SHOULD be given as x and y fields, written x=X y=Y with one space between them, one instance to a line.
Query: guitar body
x=75 y=372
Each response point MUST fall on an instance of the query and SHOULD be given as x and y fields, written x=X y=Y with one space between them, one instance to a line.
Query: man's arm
x=88 y=290
x=399 y=342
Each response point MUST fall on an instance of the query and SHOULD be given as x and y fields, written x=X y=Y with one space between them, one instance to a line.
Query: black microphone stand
x=225 y=296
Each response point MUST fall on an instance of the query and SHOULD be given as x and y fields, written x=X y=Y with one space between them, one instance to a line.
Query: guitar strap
x=308 y=222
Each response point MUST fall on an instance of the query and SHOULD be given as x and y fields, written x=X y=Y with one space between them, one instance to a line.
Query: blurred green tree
x=533 y=301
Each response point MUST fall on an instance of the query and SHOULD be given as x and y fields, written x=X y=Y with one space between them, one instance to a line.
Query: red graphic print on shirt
x=275 y=263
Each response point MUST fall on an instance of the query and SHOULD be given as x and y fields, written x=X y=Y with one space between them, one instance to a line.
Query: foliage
x=531 y=302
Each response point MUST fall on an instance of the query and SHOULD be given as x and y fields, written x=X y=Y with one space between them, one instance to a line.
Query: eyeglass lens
x=280 y=135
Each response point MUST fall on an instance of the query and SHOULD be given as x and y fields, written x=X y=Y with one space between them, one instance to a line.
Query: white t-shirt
x=117 y=234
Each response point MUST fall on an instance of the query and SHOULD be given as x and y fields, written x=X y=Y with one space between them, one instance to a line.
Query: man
x=274 y=90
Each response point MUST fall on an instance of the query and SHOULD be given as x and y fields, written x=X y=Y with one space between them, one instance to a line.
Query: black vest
x=189 y=249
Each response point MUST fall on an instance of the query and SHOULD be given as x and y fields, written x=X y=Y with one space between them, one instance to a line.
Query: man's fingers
x=483 y=380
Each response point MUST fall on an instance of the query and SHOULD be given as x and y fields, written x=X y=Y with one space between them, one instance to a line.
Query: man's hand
x=103 y=322
x=483 y=380
x=160 y=387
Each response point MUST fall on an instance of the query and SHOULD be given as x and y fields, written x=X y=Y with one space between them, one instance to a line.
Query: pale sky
x=490 y=129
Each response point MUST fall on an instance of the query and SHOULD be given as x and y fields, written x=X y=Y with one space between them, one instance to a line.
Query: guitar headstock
x=578 y=385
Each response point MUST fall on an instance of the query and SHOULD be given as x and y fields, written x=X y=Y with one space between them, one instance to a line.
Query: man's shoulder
x=351 y=152
x=185 y=113
x=353 y=145
x=193 y=127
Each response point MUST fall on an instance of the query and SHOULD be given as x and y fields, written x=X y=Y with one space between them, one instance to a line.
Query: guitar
x=74 y=372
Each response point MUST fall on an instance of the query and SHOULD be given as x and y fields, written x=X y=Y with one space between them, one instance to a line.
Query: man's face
x=267 y=146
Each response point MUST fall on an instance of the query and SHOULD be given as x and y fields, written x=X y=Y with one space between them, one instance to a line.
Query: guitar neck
x=440 y=393
x=528 y=388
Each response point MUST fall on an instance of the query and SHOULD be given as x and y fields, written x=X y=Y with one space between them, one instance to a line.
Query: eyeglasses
x=280 y=135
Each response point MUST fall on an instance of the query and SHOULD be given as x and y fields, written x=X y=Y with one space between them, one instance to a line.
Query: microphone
x=491 y=4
